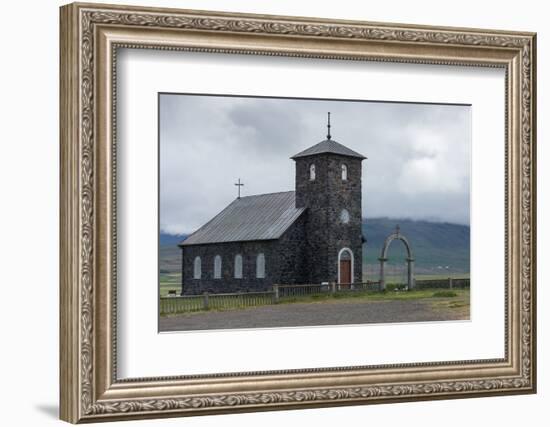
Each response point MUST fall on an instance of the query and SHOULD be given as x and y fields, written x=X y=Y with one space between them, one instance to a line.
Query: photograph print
x=289 y=212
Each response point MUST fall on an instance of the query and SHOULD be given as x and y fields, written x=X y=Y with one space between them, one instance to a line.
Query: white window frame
x=345 y=216
x=260 y=266
x=344 y=172
x=312 y=172
x=217 y=267
x=197 y=268
x=238 y=267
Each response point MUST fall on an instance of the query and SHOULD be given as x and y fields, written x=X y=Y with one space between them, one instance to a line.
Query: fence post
x=333 y=287
x=450 y=283
x=276 y=293
x=205 y=301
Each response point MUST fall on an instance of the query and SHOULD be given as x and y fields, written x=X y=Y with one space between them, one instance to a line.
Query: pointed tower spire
x=328 y=126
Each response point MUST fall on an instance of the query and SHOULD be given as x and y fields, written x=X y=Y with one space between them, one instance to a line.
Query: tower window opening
x=312 y=172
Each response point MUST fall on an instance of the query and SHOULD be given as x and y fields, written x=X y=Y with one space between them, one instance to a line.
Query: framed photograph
x=268 y=212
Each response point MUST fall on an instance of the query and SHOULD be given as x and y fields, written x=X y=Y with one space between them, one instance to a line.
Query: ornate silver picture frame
x=91 y=37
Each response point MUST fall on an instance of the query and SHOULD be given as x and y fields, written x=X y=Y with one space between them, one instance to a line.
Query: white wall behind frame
x=29 y=171
x=294 y=348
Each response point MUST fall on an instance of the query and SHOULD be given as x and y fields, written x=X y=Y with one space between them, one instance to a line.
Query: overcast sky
x=418 y=162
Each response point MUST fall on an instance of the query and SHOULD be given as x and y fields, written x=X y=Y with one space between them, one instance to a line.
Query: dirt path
x=313 y=314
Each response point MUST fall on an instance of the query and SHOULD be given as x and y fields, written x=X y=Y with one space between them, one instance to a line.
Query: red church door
x=345 y=271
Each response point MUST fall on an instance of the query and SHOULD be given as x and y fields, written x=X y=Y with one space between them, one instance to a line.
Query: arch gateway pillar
x=410 y=273
x=410 y=259
x=382 y=274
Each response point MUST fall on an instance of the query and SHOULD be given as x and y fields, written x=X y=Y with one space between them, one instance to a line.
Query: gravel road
x=312 y=314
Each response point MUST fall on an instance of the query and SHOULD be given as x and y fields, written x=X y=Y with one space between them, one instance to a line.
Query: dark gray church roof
x=328 y=146
x=261 y=217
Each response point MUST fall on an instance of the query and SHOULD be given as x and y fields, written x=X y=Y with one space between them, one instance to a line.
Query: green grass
x=368 y=296
x=393 y=279
x=388 y=295
x=170 y=277
x=444 y=294
x=166 y=286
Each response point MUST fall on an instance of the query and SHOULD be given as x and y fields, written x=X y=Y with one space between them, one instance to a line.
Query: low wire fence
x=293 y=291
x=369 y=285
x=207 y=301
x=286 y=291
x=173 y=304
x=449 y=283
x=181 y=304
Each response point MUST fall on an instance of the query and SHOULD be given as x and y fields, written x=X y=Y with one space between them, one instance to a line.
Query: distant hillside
x=439 y=248
x=171 y=239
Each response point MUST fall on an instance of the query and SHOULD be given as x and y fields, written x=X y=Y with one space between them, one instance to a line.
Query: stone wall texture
x=284 y=264
x=325 y=198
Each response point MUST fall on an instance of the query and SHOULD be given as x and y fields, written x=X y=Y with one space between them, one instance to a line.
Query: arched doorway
x=396 y=235
x=345 y=267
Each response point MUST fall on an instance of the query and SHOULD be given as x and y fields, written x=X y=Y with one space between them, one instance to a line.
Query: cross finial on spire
x=328 y=126
x=239 y=184
x=397 y=229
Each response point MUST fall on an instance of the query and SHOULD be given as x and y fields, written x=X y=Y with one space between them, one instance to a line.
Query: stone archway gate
x=396 y=235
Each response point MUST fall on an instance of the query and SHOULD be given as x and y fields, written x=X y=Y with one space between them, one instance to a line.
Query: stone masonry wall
x=313 y=195
x=325 y=197
x=228 y=283
x=284 y=263
x=344 y=195
x=293 y=266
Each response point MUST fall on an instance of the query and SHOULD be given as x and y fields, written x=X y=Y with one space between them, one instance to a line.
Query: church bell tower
x=328 y=184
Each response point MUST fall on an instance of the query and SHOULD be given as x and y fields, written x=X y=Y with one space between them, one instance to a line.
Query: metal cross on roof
x=239 y=184
x=328 y=127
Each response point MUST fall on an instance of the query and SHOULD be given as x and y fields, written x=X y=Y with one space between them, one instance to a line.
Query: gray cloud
x=418 y=162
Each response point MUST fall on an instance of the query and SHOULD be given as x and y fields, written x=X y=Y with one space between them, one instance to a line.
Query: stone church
x=310 y=235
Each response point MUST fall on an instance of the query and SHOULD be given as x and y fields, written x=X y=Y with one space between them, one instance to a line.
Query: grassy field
x=400 y=279
x=459 y=294
x=169 y=282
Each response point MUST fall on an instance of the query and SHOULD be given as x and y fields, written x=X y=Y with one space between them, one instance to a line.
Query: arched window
x=344 y=172
x=260 y=266
x=197 y=273
x=217 y=267
x=238 y=267
x=344 y=216
x=312 y=172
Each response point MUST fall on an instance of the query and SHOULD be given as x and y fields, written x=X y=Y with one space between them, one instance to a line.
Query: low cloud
x=418 y=162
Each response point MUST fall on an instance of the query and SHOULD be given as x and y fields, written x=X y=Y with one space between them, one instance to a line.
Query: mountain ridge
x=437 y=247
